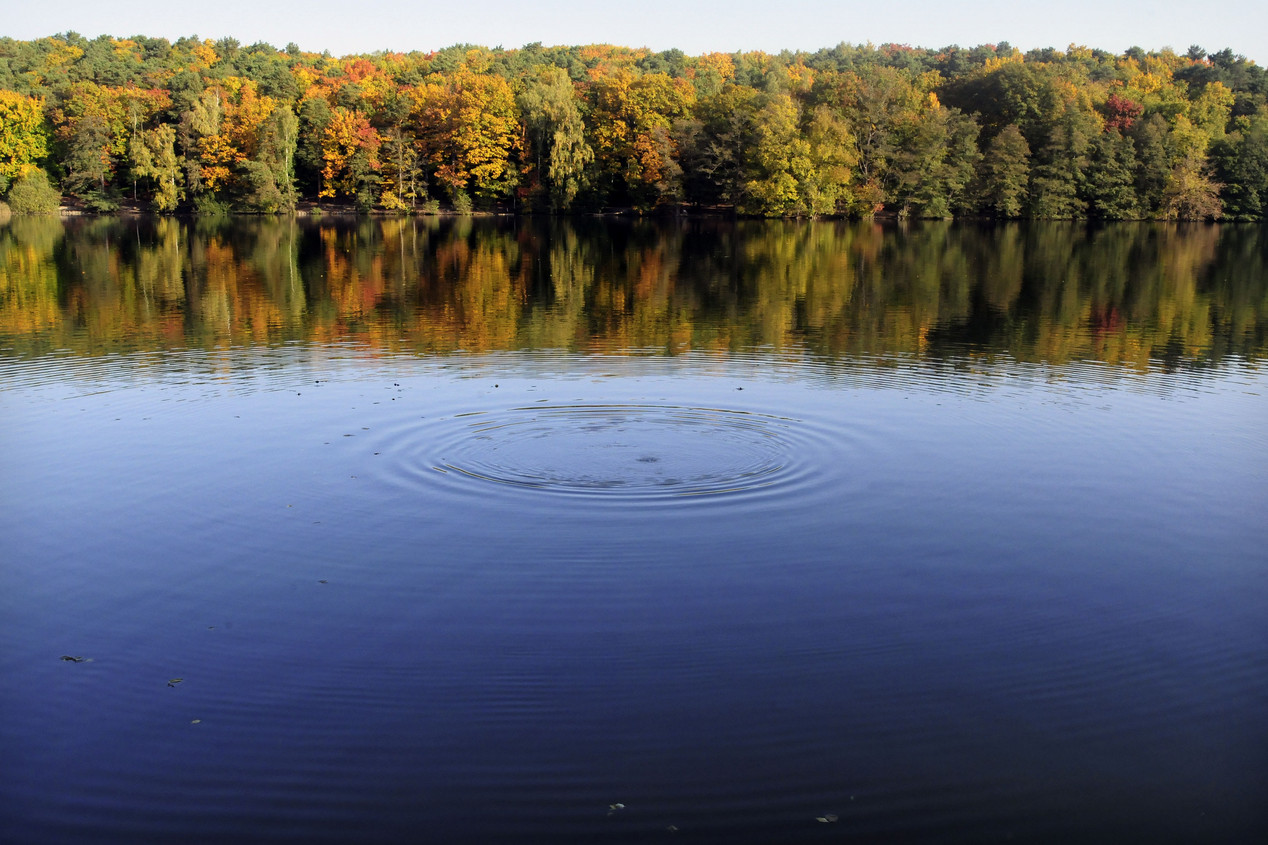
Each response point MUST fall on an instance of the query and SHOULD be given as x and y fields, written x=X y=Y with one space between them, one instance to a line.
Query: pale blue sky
x=368 y=25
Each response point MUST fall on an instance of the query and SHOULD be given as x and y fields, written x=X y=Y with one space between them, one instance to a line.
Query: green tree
x=88 y=161
x=932 y=168
x=270 y=174
x=314 y=117
x=780 y=160
x=1057 y=176
x=1110 y=186
x=1153 y=162
x=557 y=148
x=1005 y=174
x=153 y=155
x=402 y=175
x=1241 y=162
x=713 y=145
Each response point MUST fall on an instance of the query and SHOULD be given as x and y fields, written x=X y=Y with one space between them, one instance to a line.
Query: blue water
x=1025 y=604
x=345 y=590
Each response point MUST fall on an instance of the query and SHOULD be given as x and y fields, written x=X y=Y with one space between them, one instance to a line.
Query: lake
x=523 y=530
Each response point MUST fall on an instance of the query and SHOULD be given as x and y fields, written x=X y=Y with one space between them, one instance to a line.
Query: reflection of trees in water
x=1053 y=292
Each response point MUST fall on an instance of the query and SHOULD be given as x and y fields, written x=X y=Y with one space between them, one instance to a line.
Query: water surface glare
x=443 y=552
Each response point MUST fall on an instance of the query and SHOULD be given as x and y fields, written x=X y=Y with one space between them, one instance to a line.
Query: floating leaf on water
x=673 y=828
x=196 y=722
x=322 y=581
x=827 y=818
x=69 y=659
x=174 y=681
x=614 y=808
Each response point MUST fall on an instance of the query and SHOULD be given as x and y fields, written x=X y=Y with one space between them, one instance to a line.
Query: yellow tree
x=350 y=152
x=799 y=170
x=468 y=126
x=22 y=138
x=632 y=117
x=1190 y=193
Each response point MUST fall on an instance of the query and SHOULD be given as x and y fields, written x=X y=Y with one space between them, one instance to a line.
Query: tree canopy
x=857 y=130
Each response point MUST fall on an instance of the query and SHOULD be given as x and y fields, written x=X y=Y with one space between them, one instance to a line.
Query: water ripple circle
x=614 y=451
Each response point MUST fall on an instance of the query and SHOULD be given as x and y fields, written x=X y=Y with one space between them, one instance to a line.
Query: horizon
x=282 y=48
x=323 y=26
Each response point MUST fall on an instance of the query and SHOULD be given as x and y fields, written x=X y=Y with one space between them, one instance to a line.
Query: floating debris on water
x=196 y=722
x=69 y=659
x=613 y=809
x=827 y=818
x=174 y=681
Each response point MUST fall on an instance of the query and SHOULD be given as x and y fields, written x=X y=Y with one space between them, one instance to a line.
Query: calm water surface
x=497 y=531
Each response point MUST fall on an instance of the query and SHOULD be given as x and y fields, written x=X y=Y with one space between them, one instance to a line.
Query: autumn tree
x=350 y=152
x=403 y=180
x=632 y=118
x=1191 y=193
x=205 y=155
x=23 y=140
x=468 y=128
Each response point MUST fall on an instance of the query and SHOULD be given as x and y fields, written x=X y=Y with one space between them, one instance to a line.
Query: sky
x=364 y=26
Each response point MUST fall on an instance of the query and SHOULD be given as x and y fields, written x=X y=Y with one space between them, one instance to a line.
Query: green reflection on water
x=1135 y=295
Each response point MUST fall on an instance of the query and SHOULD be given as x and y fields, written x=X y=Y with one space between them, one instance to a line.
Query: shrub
x=206 y=205
x=31 y=193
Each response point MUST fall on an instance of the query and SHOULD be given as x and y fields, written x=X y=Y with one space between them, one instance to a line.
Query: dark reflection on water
x=531 y=531
x=1131 y=294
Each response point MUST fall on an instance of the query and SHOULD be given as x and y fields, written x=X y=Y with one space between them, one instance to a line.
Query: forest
x=205 y=127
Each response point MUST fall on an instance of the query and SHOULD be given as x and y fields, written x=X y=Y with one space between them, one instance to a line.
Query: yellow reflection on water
x=1128 y=295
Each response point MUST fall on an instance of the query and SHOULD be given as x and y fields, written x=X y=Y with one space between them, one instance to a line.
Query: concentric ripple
x=630 y=450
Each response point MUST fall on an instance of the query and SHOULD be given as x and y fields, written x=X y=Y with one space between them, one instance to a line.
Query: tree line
x=856 y=130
